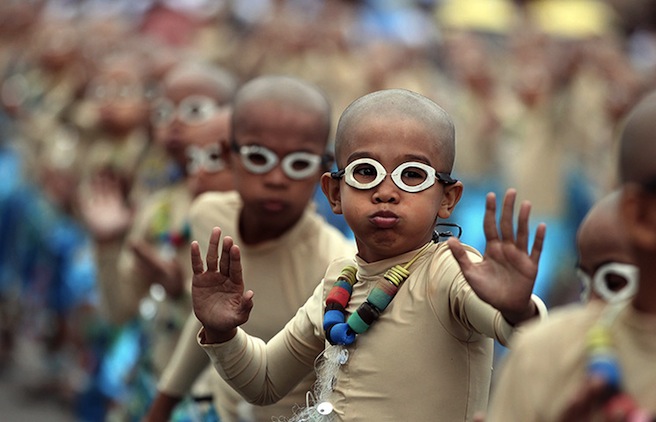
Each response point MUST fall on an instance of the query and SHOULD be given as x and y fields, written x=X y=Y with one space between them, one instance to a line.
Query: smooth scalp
x=400 y=104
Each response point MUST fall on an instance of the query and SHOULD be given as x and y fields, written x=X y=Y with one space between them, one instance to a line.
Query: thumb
x=459 y=253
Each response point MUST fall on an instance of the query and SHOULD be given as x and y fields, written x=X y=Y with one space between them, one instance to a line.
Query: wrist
x=209 y=336
x=515 y=318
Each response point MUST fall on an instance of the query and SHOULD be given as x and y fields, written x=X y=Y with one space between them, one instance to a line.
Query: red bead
x=338 y=295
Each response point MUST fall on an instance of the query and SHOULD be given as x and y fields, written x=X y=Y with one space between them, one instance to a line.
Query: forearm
x=261 y=372
x=162 y=407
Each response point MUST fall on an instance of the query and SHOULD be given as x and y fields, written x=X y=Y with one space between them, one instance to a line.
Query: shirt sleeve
x=263 y=373
x=187 y=362
x=467 y=309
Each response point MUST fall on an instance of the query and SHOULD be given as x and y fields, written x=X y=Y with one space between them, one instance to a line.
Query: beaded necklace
x=603 y=363
x=160 y=230
x=342 y=331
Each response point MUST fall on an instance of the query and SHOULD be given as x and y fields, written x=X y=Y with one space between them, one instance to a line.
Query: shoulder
x=444 y=263
x=324 y=238
x=566 y=325
x=212 y=202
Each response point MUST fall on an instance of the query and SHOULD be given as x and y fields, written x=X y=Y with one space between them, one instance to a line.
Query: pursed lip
x=384 y=219
x=273 y=205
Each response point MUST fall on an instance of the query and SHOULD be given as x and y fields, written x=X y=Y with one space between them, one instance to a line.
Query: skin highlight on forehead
x=399 y=104
x=285 y=92
x=638 y=143
x=601 y=236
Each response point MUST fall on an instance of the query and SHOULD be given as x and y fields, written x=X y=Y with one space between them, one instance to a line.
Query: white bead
x=325 y=408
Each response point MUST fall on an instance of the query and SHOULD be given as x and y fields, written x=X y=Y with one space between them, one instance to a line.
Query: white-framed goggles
x=412 y=176
x=208 y=158
x=613 y=282
x=296 y=165
x=192 y=110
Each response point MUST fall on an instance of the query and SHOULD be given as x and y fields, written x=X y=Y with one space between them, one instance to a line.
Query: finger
x=196 y=261
x=459 y=254
x=536 y=251
x=213 y=250
x=506 y=224
x=224 y=265
x=235 y=265
x=489 y=220
x=522 y=226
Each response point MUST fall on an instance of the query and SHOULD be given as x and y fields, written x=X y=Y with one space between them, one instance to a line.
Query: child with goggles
x=280 y=131
x=153 y=270
x=606 y=269
x=596 y=362
x=405 y=306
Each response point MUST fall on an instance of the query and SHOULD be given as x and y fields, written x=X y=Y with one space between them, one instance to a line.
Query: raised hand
x=156 y=268
x=218 y=296
x=103 y=209
x=506 y=275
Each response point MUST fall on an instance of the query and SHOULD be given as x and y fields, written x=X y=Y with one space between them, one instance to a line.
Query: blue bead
x=342 y=334
x=331 y=318
x=606 y=367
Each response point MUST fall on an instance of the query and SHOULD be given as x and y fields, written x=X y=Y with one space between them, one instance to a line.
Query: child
x=606 y=269
x=605 y=367
x=191 y=119
x=280 y=132
x=435 y=325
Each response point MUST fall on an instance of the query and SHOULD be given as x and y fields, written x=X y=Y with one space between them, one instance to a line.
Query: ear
x=450 y=197
x=331 y=188
x=639 y=217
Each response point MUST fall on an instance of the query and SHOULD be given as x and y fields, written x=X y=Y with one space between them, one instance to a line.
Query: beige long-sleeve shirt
x=427 y=358
x=547 y=363
x=282 y=272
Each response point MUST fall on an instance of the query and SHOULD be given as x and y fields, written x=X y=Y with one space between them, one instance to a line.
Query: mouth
x=174 y=144
x=273 y=205
x=384 y=219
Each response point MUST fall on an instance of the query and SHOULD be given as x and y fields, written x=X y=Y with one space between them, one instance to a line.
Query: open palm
x=506 y=275
x=218 y=296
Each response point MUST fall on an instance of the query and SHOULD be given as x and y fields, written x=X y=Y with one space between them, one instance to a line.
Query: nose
x=386 y=192
x=276 y=177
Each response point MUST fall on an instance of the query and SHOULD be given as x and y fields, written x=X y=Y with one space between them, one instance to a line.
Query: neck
x=253 y=230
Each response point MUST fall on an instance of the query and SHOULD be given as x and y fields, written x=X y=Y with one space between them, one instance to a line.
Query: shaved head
x=601 y=236
x=400 y=104
x=217 y=82
x=638 y=143
x=288 y=92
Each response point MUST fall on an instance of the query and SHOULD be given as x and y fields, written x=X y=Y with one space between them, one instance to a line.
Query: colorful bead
x=341 y=334
x=331 y=318
x=339 y=295
x=356 y=323
x=606 y=367
x=382 y=295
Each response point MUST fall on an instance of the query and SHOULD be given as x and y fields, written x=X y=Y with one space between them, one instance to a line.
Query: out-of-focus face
x=119 y=96
x=606 y=263
x=388 y=219
x=274 y=160
x=207 y=163
x=186 y=113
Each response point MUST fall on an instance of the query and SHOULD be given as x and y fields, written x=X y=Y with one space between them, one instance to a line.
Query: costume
x=548 y=363
x=282 y=272
x=428 y=357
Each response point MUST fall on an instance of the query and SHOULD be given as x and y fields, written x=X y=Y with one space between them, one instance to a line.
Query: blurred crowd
x=537 y=89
